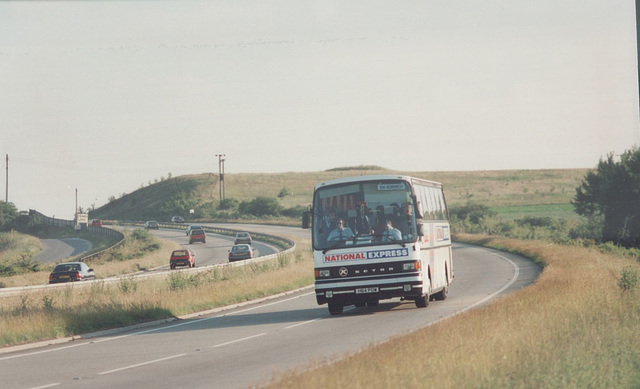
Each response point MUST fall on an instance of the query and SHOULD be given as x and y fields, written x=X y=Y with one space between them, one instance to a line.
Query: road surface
x=215 y=251
x=244 y=346
x=54 y=250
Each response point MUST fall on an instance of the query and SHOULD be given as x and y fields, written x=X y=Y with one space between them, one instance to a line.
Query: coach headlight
x=415 y=265
x=323 y=273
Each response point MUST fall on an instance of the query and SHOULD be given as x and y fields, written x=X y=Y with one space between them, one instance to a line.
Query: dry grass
x=75 y=309
x=14 y=245
x=492 y=188
x=573 y=328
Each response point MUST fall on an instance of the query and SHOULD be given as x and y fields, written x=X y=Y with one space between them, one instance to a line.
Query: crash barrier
x=283 y=243
x=50 y=221
x=287 y=245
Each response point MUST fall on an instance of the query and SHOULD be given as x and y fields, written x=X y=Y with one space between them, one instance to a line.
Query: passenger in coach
x=340 y=233
x=404 y=222
x=362 y=223
x=391 y=234
x=379 y=221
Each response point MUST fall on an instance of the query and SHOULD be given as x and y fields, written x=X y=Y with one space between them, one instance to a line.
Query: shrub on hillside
x=294 y=212
x=229 y=204
x=628 y=279
x=471 y=211
x=260 y=207
x=533 y=221
x=179 y=204
x=589 y=230
x=8 y=215
x=146 y=241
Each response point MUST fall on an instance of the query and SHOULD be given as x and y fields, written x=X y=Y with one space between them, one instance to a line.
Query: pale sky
x=106 y=96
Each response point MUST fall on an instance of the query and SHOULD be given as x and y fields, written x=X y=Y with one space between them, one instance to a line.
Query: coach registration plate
x=367 y=290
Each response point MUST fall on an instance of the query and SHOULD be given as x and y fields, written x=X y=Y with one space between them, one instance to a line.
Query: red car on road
x=182 y=257
x=197 y=235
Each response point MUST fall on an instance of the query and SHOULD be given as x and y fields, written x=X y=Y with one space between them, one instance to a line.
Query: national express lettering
x=394 y=253
x=379 y=254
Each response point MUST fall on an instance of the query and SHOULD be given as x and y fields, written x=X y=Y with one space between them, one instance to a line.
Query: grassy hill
x=163 y=199
x=509 y=192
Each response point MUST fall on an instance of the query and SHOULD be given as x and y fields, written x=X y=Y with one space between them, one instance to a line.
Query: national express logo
x=379 y=254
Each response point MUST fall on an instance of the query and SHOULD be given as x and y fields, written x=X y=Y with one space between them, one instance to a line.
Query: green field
x=557 y=211
x=509 y=192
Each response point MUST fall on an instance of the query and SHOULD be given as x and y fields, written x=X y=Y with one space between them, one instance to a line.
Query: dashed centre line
x=238 y=340
x=303 y=323
x=141 y=364
x=46 y=386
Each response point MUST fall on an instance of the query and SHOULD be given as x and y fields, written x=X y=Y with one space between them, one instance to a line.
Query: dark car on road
x=192 y=227
x=197 y=235
x=242 y=237
x=151 y=225
x=240 y=251
x=182 y=257
x=70 y=272
x=177 y=219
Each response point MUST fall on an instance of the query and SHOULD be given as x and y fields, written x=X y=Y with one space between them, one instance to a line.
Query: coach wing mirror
x=422 y=229
x=306 y=218
x=418 y=207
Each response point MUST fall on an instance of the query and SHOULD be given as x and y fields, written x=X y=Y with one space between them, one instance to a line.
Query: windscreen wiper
x=391 y=240
x=339 y=243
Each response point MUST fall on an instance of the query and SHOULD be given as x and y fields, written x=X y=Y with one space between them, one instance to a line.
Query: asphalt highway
x=54 y=250
x=214 y=251
x=243 y=346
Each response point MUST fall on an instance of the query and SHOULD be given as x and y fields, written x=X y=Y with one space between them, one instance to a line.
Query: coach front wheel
x=335 y=308
x=422 y=302
x=442 y=295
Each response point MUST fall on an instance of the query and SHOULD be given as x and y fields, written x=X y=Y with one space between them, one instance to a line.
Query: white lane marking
x=46 y=386
x=141 y=364
x=303 y=323
x=238 y=340
x=43 y=351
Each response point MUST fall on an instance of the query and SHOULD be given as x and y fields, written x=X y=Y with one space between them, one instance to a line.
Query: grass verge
x=16 y=253
x=575 y=327
x=139 y=252
x=74 y=310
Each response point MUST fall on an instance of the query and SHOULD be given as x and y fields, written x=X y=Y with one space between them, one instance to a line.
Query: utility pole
x=6 y=194
x=221 y=173
x=638 y=40
x=224 y=186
